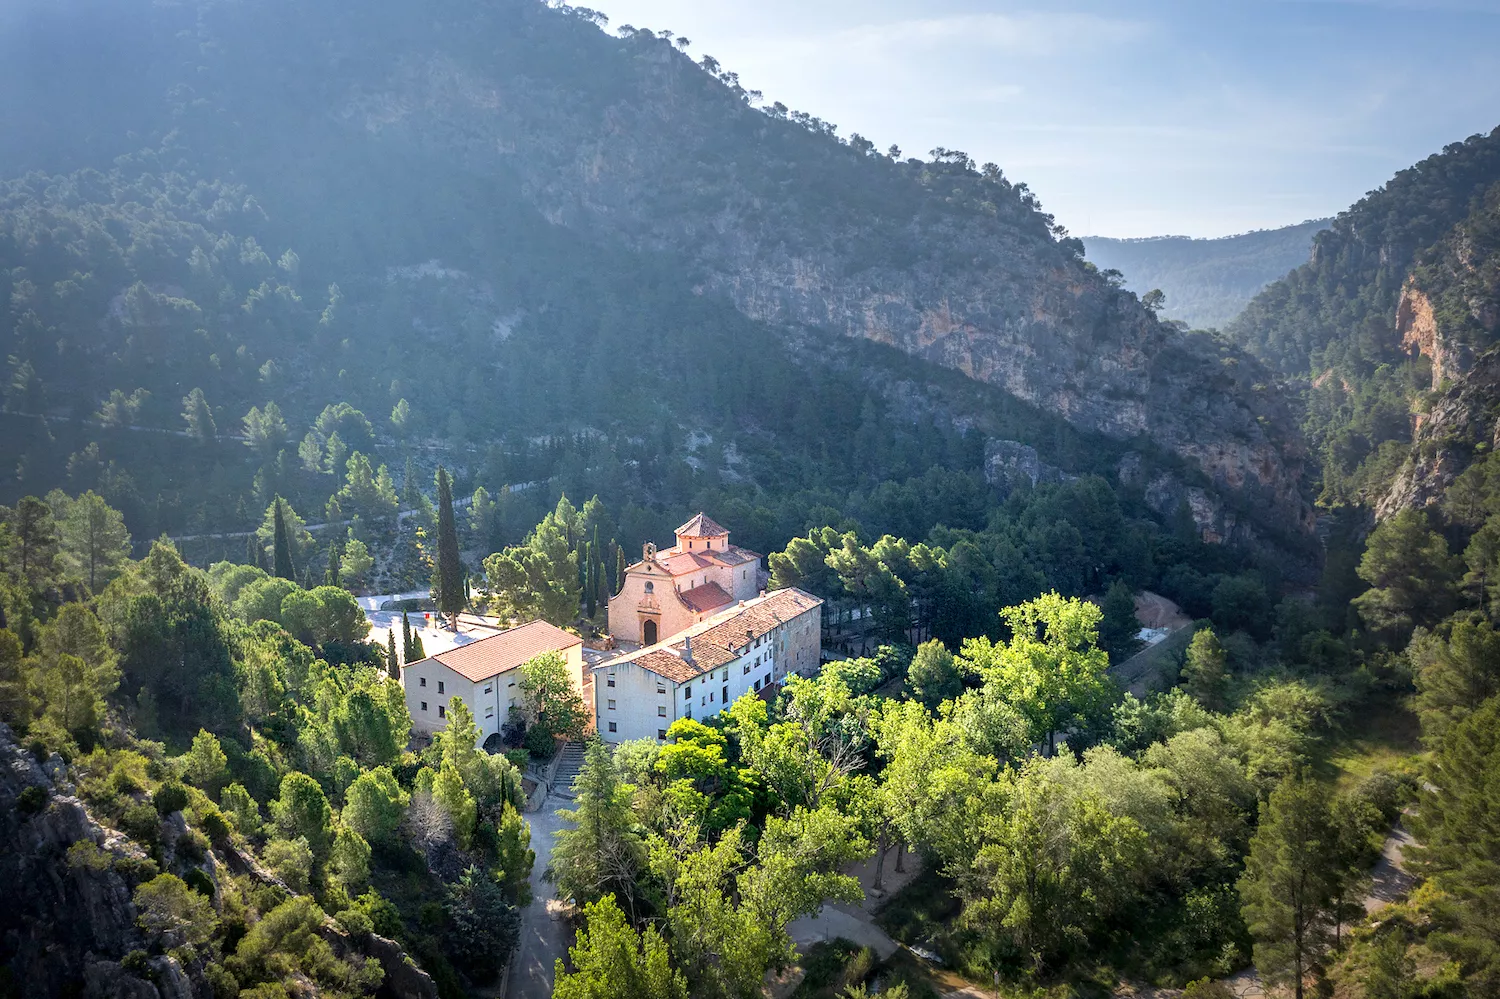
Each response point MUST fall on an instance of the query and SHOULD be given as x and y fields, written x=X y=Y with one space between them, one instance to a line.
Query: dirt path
x=544 y=933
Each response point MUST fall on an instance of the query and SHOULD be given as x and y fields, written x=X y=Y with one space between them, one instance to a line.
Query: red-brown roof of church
x=489 y=656
x=709 y=596
x=702 y=527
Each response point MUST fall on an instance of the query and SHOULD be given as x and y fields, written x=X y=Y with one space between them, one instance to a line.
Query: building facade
x=750 y=647
x=486 y=675
x=670 y=590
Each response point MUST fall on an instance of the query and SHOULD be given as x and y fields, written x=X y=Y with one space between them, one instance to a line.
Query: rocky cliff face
x=947 y=264
x=1464 y=419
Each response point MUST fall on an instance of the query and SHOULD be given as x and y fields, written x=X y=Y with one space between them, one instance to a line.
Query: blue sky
x=1128 y=119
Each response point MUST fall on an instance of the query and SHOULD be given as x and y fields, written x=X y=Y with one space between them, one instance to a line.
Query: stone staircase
x=569 y=762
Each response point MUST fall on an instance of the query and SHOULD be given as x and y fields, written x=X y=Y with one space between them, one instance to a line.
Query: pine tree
x=448 y=581
x=282 y=558
x=331 y=577
x=392 y=664
x=1204 y=676
x=1290 y=880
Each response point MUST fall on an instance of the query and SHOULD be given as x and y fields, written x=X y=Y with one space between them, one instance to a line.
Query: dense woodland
x=226 y=421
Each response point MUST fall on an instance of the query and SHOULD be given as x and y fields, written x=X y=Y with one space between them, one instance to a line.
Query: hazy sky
x=1202 y=118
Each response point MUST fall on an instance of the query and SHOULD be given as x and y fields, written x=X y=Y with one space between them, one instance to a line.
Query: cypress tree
x=619 y=568
x=331 y=577
x=448 y=582
x=590 y=581
x=282 y=559
x=406 y=647
x=392 y=664
x=416 y=646
x=255 y=554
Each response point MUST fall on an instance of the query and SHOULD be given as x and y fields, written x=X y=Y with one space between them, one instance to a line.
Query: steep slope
x=1383 y=327
x=1208 y=282
x=380 y=138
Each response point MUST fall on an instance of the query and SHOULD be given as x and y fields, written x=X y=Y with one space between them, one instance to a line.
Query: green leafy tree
x=1118 y=625
x=28 y=533
x=241 y=809
x=206 y=764
x=292 y=861
x=551 y=699
x=1052 y=670
x=1290 y=880
x=76 y=671
x=538 y=578
x=485 y=926
x=356 y=564
x=15 y=695
x=1410 y=573
x=933 y=674
x=281 y=550
x=453 y=797
x=303 y=810
x=1205 y=677
x=448 y=581
x=612 y=960
x=198 y=416
x=94 y=541
x=374 y=806
x=602 y=853
x=350 y=860
x=174 y=913
x=1458 y=674
x=265 y=430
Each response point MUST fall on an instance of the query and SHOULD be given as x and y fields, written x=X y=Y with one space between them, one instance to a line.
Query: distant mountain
x=1207 y=281
x=521 y=224
x=1391 y=327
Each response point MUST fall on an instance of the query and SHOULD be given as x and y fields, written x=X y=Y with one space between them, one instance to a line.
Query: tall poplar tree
x=448 y=581
x=281 y=558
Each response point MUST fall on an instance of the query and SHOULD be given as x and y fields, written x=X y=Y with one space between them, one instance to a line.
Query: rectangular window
x=687 y=692
x=424 y=705
x=726 y=695
x=710 y=695
x=422 y=682
x=440 y=686
x=661 y=711
x=612 y=727
x=661 y=733
x=747 y=667
x=757 y=683
x=611 y=704
x=660 y=689
x=489 y=712
x=442 y=711
x=611 y=679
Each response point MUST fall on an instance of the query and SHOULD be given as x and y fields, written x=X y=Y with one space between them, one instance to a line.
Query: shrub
x=214 y=824
x=198 y=880
x=519 y=758
x=142 y=824
x=138 y=963
x=355 y=923
x=32 y=800
x=221 y=981
x=193 y=845
x=170 y=797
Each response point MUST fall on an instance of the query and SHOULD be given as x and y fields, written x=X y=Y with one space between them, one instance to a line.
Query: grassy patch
x=829 y=966
x=920 y=911
x=1381 y=735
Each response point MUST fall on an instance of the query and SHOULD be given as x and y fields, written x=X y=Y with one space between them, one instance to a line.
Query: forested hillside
x=438 y=216
x=1393 y=311
x=1208 y=282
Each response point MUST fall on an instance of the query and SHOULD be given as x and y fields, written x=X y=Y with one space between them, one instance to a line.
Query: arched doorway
x=648 y=633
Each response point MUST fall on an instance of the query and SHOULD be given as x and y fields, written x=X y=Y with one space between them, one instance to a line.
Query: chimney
x=687 y=649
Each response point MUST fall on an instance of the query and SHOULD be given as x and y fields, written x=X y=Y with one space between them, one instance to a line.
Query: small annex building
x=485 y=674
x=670 y=590
x=745 y=648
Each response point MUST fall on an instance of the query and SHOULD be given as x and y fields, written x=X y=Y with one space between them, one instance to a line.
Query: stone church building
x=670 y=590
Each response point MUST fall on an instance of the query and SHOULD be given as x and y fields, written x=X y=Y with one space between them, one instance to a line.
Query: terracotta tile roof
x=701 y=527
x=681 y=563
x=485 y=658
x=709 y=596
x=716 y=642
x=736 y=629
x=663 y=663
